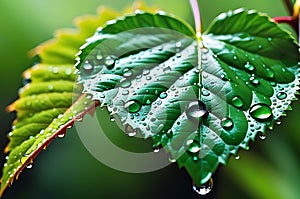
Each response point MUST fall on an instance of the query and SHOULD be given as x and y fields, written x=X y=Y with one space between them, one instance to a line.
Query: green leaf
x=200 y=98
x=45 y=111
x=50 y=102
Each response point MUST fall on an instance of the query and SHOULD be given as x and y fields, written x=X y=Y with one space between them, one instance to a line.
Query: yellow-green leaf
x=50 y=102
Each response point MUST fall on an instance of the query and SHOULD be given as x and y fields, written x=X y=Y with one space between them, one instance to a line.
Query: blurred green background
x=271 y=169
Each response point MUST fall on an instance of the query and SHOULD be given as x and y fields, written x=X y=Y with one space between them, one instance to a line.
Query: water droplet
x=133 y=106
x=273 y=83
x=260 y=46
x=148 y=102
x=178 y=55
x=110 y=61
x=55 y=70
x=237 y=157
x=269 y=38
x=244 y=35
x=235 y=57
x=261 y=112
x=68 y=71
x=271 y=125
x=125 y=83
x=249 y=67
x=204 y=59
x=169 y=133
x=205 y=188
x=29 y=166
x=197 y=71
x=125 y=92
x=112 y=118
x=270 y=73
x=130 y=131
x=196 y=110
x=195 y=158
x=281 y=95
x=167 y=69
x=205 y=93
x=62 y=135
x=227 y=123
x=163 y=95
x=50 y=87
x=99 y=56
x=237 y=102
x=87 y=67
x=148 y=78
x=224 y=77
x=278 y=121
x=127 y=73
x=153 y=119
x=42 y=131
x=199 y=85
x=204 y=50
x=146 y=71
x=137 y=11
x=156 y=149
x=262 y=135
x=139 y=77
x=254 y=81
x=178 y=44
x=193 y=146
x=160 y=48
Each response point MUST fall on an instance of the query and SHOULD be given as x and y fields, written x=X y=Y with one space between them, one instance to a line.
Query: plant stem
x=296 y=17
x=197 y=17
x=292 y=20
x=296 y=9
x=298 y=25
x=289 y=6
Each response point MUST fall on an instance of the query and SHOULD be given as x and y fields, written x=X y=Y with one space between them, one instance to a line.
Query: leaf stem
x=197 y=16
x=285 y=19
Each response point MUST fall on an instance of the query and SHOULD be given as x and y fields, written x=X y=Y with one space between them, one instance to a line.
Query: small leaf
x=50 y=102
x=201 y=99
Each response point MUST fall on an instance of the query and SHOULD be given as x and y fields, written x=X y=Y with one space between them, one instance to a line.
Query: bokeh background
x=271 y=169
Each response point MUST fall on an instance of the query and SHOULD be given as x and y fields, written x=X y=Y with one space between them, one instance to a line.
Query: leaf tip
x=10 y=108
x=6 y=149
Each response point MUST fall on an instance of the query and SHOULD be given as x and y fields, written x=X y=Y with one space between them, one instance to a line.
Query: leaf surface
x=200 y=98
x=51 y=102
